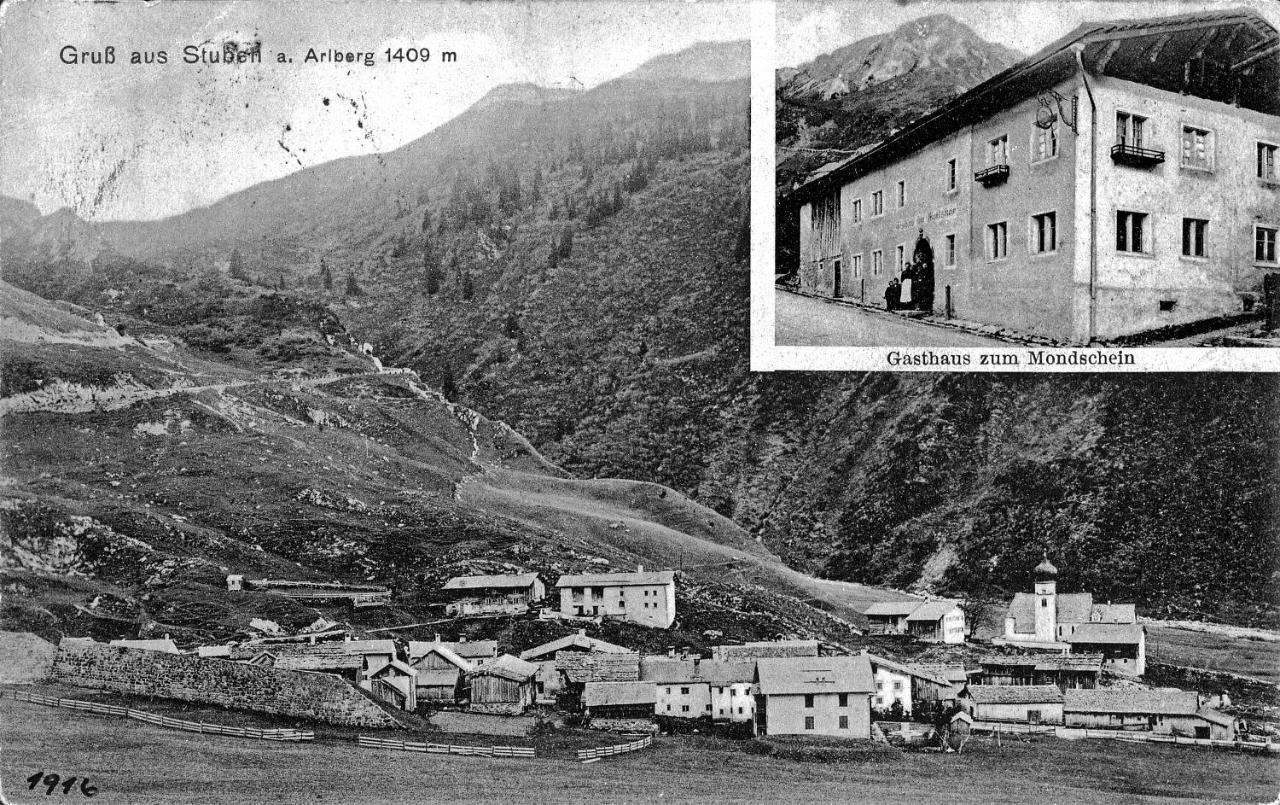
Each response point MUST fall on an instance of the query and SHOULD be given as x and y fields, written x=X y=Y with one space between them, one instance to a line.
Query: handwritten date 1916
x=53 y=782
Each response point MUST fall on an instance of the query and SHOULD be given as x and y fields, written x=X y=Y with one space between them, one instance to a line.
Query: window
x=949 y=251
x=1197 y=148
x=902 y=193
x=877 y=203
x=880 y=686
x=857 y=210
x=1129 y=129
x=901 y=259
x=844 y=722
x=998 y=151
x=708 y=708
x=1044 y=233
x=1264 y=244
x=998 y=241
x=684 y=691
x=877 y=263
x=1044 y=602
x=1267 y=162
x=856 y=265
x=1167 y=305
x=844 y=700
x=739 y=711
x=808 y=700
x=897 y=685
x=668 y=708
x=808 y=722
x=668 y=691
x=684 y=708
x=1045 y=142
x=1193 y=241
x=1131 y=231
x=951 y=174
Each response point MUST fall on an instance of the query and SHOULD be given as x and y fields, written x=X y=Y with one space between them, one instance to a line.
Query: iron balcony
x=1135 y=156
x=992 y=175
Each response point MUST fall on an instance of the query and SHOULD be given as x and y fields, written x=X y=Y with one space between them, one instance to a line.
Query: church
x=1074 y=624
x=1122 y=180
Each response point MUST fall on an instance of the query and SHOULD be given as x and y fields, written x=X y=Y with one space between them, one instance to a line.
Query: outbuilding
x=1020 y=704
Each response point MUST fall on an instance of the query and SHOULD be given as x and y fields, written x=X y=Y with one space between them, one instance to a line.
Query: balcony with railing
x=1135 y=156
x=993 y=175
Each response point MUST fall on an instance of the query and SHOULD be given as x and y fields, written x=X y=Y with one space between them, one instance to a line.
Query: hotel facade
x=1122 y=180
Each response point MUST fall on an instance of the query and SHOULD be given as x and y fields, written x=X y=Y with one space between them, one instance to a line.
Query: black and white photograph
x=380 y=419
x=988 y=174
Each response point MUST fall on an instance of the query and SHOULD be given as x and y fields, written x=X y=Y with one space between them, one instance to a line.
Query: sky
x=809 y=28
x=125 y=141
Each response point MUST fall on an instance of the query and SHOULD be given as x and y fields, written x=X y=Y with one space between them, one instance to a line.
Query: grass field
x=138 y=763
x=1215 y=651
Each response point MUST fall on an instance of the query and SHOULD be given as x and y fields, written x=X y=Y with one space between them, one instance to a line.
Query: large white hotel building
x=1123 y=179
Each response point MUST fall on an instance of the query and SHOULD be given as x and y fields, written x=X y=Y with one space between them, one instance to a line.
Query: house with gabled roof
x=699 y=688
x=908 y=683
x=1163 y=711
x=395 y=683
x=1021 y=704
x=937 y=620
x=510 y=593
x=502 y=685
x=1122 y=179
x=1067 y=671
x=618 y=700
x=441 y=672
x=814 y=696
x=567 y=663
x=647 y=598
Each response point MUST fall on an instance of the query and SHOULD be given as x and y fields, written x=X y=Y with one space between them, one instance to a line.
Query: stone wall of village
x=303 y=694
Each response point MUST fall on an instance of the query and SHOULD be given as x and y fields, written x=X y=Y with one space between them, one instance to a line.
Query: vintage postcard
x=1023 y=186
x=378 y=422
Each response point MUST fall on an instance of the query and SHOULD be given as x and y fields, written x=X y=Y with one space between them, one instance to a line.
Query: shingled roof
x=617 y=579
x=467 y=649
x=591 y=666
x=1013 y=694
x=507 y=667
x=1095 y=633
x=496 y=582
x=331 y=656
x=797 y=675
x=889 y=609
x=605 y=694
x=932 y=610
x=772 y=648
x=578 y=640
x=1046 y=662
x=1159 y=701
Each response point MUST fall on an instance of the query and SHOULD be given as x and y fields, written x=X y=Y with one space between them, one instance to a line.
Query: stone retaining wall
x=303 y=694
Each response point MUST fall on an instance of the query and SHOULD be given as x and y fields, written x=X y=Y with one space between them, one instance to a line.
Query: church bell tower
x=1046 y=601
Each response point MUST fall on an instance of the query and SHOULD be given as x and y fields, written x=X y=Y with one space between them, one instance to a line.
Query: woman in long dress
x=904 y=299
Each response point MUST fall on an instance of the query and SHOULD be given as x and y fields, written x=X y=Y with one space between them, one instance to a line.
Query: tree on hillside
x=448 y=386
x=326 y=277
x=430 y=268
x=237 y=266
x=353 y=287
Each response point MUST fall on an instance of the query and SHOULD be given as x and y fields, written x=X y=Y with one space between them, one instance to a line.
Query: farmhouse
x=331 y=657
x=645 y=598
x=1024 y=704
x=471 y=650
x=907 y=684
x=440 y=672
x=490 y=595
x=1066 y=671
x=578 y=654
x=1121 y=180
x=1165 y=712
x=694 y=688
x=618 y=700
x=814 y=696
x=938 y=621
x=502 y=685
x=1073 y=622
x=395 y=684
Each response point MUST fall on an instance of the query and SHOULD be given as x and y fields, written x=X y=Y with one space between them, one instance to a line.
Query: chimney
x=437 y=637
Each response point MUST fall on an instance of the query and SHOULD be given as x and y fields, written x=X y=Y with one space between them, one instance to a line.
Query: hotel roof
x=1151 y=51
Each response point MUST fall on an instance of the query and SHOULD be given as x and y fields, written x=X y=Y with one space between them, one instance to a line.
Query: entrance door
x=1202 y=732
x=835 y=278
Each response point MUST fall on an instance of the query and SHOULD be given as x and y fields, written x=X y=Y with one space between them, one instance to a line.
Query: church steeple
x=1046 y=600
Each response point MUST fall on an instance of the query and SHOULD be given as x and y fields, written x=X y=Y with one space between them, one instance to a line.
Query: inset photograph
x=946 y=181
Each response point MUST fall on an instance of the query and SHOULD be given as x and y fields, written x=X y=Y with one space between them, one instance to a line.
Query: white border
x=766 y=356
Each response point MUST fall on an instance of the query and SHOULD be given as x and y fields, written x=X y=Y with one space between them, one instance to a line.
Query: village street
x=803 y=321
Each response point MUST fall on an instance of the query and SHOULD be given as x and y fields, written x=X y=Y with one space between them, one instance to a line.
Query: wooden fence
x=1148 y=737
x=164 y=721
x=1011 y=727
x=616 y=749
x=445 y=749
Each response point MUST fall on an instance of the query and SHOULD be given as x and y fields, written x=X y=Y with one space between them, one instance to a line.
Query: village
x=1065 y=667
